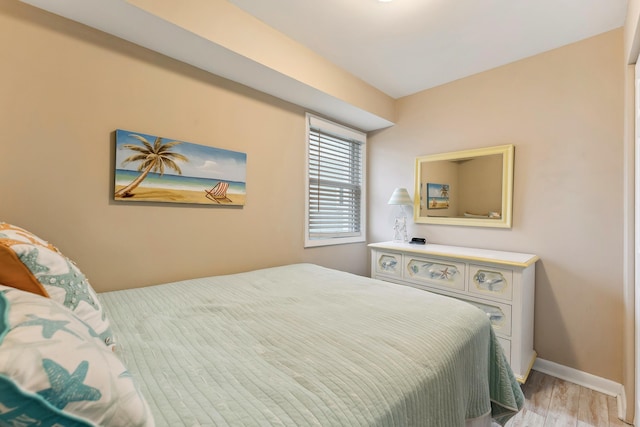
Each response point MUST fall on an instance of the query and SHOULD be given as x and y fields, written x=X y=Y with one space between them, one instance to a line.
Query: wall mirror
x=471 y=187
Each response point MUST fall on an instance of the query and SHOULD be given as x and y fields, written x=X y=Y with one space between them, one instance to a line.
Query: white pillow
x=55 y=370
x=32 y=264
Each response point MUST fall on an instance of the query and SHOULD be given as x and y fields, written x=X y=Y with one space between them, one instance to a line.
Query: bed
x=296 y=345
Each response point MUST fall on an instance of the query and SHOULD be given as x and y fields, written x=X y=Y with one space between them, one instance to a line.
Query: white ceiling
x=406 y=46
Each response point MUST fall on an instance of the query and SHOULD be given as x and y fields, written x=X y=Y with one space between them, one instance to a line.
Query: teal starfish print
x=30 y=259
x=65 y=387
x=73 y=284
x=49 y=327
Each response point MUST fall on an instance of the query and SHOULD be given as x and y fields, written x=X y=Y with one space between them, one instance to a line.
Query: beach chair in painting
x=218 y=193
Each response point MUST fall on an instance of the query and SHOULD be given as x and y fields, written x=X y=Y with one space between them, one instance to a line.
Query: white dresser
x=502 y=284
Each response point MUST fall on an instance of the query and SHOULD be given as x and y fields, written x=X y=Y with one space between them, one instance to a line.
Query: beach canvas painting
x=437 y=196
x=150 y=168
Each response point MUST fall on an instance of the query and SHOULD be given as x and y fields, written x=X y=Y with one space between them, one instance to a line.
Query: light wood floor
x=552 y=402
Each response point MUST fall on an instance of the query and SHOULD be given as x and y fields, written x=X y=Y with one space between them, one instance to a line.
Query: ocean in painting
x=176 y=182
x=438 y=203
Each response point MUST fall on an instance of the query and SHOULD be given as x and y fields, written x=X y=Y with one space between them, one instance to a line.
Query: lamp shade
x=400 y=196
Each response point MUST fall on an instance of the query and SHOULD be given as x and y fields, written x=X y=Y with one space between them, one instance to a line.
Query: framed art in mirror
x=470 y=188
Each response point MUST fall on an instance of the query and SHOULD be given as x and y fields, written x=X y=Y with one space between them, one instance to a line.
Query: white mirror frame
x=507 y=152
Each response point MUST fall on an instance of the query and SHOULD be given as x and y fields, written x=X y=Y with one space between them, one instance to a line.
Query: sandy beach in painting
x=148 y=194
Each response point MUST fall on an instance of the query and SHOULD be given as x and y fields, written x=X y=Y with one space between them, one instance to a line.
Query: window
x=336 y=187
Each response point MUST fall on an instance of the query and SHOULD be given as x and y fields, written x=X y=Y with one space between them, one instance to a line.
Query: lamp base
x=400 y=230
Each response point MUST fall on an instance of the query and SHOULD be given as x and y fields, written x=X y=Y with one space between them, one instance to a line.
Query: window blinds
x=335 y=173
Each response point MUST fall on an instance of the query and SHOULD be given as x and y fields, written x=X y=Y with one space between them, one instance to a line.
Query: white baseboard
x=575 y=376
x=584 y=379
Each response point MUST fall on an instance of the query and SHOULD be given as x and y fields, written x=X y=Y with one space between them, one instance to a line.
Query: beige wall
x=65 y=88
x=563 y=111
x=481 y=185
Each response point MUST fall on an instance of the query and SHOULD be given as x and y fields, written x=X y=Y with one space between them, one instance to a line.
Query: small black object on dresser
x=418 y=241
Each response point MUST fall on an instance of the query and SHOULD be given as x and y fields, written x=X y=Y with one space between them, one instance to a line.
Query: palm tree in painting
x=152 y=158
x=444 y=191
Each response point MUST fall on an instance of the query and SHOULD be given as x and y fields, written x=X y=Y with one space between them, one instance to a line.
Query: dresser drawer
x=388 y=264
x=498 y=313
x=491 y=281
x=446 y=274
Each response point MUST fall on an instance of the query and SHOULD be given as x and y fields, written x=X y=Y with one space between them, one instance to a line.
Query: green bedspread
x=303 y=345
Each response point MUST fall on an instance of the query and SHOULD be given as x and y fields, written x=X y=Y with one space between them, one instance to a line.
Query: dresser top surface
x=474 y=254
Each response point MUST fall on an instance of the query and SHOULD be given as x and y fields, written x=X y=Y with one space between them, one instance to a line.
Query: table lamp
x=400 y=197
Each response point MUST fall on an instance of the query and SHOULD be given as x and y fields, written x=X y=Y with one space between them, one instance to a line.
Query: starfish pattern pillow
x=31 y=264
x=55 y=370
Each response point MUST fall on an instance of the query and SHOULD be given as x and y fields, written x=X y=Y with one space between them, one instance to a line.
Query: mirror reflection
x=472 y=187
